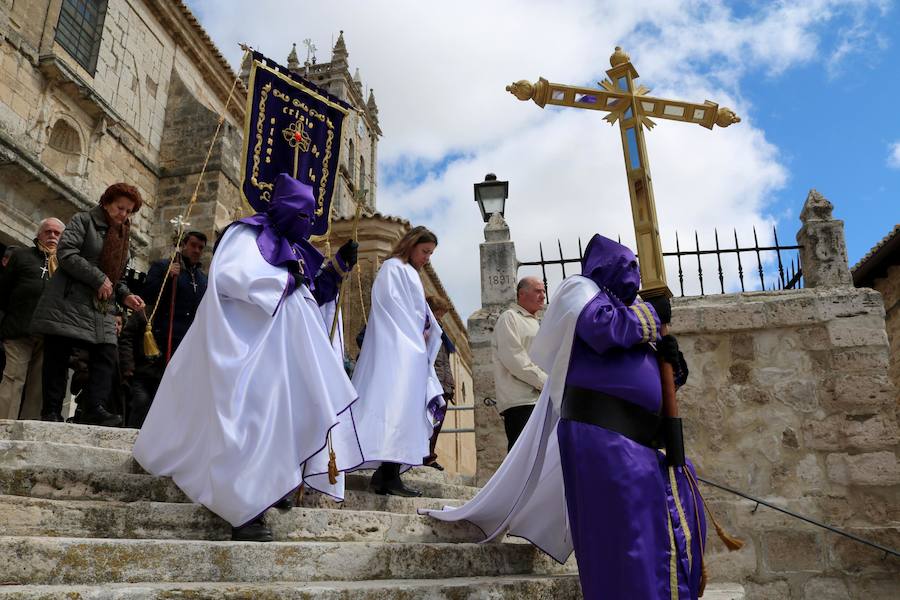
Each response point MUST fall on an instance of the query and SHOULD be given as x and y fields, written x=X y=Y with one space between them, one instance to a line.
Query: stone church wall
x=789 y=400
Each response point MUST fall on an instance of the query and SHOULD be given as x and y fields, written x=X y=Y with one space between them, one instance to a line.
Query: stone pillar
x=498 y=291
x=823 y=256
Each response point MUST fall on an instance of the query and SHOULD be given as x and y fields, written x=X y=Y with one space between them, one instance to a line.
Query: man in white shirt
x=517 y=380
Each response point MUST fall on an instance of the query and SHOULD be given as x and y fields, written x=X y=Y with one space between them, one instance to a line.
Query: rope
x=193 y=200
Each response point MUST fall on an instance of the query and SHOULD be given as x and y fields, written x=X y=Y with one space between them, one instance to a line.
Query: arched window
x=63 y=151
x=64 y=137
x=362 y=173
x=350 y=156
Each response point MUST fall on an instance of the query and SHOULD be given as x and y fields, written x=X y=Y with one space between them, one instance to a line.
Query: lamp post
x=491 y=196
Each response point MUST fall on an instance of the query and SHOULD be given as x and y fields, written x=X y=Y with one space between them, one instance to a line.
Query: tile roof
x=882 y=255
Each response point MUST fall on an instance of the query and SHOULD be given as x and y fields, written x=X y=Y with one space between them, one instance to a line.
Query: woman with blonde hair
x=399 y=395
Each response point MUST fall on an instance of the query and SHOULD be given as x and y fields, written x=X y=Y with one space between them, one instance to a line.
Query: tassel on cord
x=151 y=350
x=704 y=577
x=732 y=543
x=332 y=463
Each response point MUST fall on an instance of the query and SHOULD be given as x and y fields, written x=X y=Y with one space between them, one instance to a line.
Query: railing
x=759 y=501
x=460 y=429
x=781 y=275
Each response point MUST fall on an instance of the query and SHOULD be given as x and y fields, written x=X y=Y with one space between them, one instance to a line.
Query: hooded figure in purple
x=250 y=399
x=636 y=523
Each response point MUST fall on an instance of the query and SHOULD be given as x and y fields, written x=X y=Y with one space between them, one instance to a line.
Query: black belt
x=609 y=412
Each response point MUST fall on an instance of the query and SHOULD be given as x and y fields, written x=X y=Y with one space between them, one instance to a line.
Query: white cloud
x=893 y=159
x=439 y=72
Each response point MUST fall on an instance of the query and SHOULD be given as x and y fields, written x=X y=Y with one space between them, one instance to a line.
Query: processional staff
x=633 y=109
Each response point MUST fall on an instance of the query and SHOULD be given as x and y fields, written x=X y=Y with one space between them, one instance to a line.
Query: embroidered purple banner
x=293 y=127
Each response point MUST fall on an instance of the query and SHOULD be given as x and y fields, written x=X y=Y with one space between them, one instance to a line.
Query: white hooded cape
x=245 y=405
x=525 y=497
x=394 y=375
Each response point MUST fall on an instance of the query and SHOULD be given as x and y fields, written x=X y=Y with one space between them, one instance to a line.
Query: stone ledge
x=184 y=521
x=760 y=310
x=72 y=485
x=523 y=587
x=30 y=560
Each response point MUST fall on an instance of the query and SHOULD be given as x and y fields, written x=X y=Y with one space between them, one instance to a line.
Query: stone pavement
x=81 y=520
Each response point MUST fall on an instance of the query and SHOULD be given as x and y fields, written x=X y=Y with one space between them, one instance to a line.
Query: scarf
x=115 y=250
x=50 y=255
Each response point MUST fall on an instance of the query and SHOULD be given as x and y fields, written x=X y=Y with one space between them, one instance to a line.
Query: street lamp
x=491 y=196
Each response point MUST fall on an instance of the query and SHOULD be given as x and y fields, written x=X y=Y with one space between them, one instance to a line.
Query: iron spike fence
x=780 y=276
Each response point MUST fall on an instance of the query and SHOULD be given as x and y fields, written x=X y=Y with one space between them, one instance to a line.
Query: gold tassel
x=732 y=543
x=151 y=350
x=704 y=577
x=332 y=463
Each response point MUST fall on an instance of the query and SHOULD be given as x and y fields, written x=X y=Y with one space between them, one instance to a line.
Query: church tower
x=361 y=131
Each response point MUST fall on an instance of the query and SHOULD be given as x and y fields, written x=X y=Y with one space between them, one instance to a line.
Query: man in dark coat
x=21 y=285
x=189 y=290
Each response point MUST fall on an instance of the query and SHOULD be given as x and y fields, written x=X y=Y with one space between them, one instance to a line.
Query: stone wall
x=889 y=287
x=789 y=400
x=66 y=133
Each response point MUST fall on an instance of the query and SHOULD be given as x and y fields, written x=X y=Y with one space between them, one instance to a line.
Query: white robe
x=394 y=375
x=245 y=405
x=526 y=496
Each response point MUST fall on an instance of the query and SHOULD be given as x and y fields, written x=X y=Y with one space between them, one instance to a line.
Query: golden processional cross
x=633 y=109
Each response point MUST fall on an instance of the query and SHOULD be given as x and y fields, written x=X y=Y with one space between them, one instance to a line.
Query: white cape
x=245 y=405
x=394 y=374
x=525 y=497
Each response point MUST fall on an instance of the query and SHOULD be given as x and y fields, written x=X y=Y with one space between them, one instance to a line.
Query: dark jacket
x=443 y=369
x=69 y=306
x=187 y=299
x=21 y=285
x=132 y=359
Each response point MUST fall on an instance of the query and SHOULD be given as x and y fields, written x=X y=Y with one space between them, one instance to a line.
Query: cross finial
x=310 y=51
x=178 y=223
x=619 y=57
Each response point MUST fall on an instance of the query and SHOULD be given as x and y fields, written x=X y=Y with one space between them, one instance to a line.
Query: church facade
x=98 y=91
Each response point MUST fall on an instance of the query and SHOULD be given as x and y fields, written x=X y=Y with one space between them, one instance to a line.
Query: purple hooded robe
x=637 y=525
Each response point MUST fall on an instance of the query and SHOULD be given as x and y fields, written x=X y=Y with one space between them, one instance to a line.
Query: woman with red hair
x=77 y=309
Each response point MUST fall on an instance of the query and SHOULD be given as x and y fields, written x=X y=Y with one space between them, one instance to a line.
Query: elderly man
x=518 y=381
x=21 y=285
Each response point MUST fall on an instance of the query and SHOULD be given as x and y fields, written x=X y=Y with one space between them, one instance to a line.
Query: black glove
x=349 y=253
x=663 y=308
x=298 y=273
x=674 y=438
x=667 y=349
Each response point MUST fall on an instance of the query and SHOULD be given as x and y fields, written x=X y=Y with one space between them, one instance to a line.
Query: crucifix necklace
x=44 y=269
x=193 y=279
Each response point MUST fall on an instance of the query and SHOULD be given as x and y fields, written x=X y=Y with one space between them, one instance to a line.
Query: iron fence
x=772 y=268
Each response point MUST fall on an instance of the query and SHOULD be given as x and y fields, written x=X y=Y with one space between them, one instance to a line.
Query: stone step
x=517 y=587
x=19 y=454
x=117 y=438
x=51 y=561
x=74 y=484
x=155 y=520
x=520 y=587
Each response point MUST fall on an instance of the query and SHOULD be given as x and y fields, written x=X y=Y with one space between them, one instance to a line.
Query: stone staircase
x=80 y=520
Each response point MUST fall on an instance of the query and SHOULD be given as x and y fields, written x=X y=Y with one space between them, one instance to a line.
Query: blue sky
x=815 y=82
